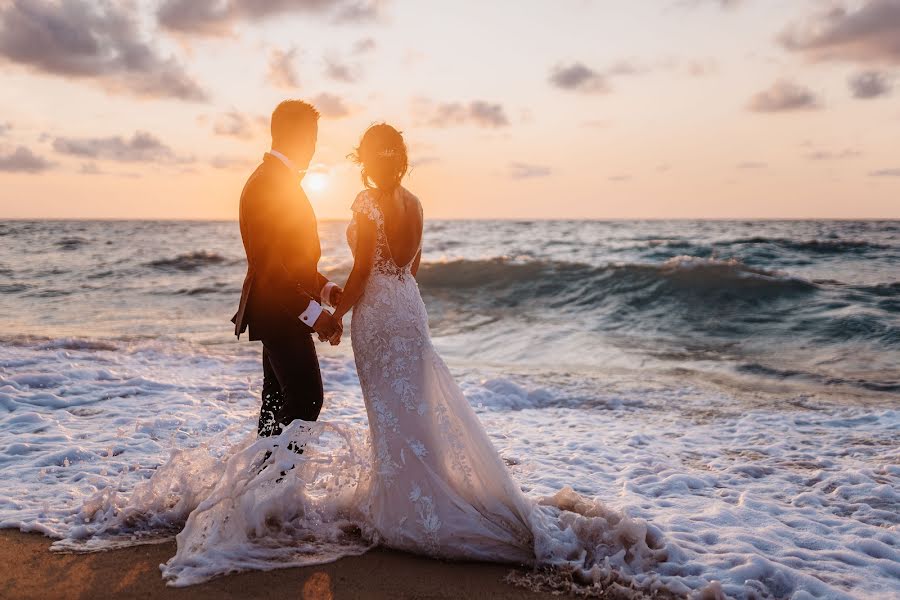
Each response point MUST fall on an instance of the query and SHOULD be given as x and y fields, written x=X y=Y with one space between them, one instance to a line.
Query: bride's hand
x=335 y=339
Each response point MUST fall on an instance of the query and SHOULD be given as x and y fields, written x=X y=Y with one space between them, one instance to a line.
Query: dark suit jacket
x=281 y=240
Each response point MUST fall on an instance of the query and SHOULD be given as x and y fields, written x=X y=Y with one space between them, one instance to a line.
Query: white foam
x=709 y=491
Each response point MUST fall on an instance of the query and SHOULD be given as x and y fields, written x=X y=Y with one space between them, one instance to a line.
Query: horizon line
x=463 y=219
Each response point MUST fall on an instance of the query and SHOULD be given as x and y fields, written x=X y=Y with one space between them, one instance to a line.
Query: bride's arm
x=415 y=265
x=362 y=266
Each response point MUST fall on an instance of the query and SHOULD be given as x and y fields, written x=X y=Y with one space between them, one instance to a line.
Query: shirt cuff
x=326 y=293
x=311 y=314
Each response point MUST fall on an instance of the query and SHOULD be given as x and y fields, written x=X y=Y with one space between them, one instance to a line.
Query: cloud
x=282 y=73
x=869 y=84
x=364 y=45
x=578 y=77
x=339 y=71
x=238 y=125
x=23 y=160
x=619 y=178
x=829 y=155
x=360 y=11
x=142 y=147
x=98 y=41
x=626 y=67
x=91 y=169
x=702 y=67
x=425 y=160
x=726 y=4
x=231 y=162
x=218 y=17
x=751 y=164
x=486 y=114
x=478 y=112
x=885 y=173
x=205 y=17
x=871 y=33
x=784 y=96
x=519 y=170
x=330 y=106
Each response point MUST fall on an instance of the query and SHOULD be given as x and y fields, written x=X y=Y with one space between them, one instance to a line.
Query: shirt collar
x=284 y=159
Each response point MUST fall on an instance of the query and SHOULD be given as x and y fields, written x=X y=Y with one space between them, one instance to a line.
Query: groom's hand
x=326 y=326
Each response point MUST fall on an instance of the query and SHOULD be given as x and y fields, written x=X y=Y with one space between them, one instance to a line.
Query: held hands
x=328 y=327
x=336 y=338
x=332 y=326
x=335 y=296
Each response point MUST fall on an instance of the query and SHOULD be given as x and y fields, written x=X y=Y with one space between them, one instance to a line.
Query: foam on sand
x=679 y=487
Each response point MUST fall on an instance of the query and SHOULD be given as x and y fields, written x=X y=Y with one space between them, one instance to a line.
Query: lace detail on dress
x=439 y=487
x=364 y=204
x=383 y=263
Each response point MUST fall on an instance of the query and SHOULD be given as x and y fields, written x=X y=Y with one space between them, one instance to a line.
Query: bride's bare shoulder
x=411 y=197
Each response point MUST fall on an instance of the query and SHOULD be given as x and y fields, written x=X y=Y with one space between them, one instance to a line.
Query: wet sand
x=30 y=570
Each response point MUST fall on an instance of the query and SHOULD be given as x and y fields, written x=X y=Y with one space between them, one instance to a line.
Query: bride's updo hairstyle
x=382 y=155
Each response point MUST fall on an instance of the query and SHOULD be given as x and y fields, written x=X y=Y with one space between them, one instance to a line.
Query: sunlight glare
x=315 y=182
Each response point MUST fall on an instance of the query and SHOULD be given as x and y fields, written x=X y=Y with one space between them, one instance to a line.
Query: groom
x=283 y=292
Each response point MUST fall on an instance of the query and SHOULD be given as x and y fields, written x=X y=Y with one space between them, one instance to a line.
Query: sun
x=315 y=182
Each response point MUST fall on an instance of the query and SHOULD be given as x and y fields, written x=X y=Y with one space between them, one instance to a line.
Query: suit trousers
x=292 y=382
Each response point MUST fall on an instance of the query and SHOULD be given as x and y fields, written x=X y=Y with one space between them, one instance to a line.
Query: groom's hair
x=292 y=117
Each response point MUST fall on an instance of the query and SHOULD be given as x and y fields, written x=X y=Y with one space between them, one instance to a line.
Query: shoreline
x=33 y=571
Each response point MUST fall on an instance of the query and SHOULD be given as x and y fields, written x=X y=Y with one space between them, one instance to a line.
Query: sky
x=521 y=109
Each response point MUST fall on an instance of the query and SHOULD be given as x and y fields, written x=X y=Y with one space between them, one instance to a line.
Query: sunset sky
x=512 y=109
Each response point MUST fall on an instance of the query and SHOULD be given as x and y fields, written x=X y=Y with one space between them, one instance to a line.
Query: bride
x=434 y=483
x=439 y=487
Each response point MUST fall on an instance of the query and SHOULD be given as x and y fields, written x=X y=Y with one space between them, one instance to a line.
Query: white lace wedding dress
x=434 y=483
x=438 y=487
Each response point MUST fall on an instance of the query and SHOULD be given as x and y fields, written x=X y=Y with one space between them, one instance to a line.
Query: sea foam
x=793 y=498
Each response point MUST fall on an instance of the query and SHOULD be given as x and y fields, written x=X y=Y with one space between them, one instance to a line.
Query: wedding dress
x=433 y=483
x=438 y=487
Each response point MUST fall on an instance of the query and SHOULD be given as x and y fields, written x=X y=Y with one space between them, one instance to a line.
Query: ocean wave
x=557 y=278
x=832 y=381
x=12 y=288
x=51 y=293
x=887 y=290
x=78 y=344
x=696 y=309
x=64 y=343
x=684 y=295
x=837 y=246
x=72 y=243
x=203 y=290
x=190 y=261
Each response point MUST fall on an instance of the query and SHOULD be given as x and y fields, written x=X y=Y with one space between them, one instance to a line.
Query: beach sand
x=30 y=570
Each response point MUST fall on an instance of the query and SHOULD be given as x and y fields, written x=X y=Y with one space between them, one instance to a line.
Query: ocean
x=736 y=384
